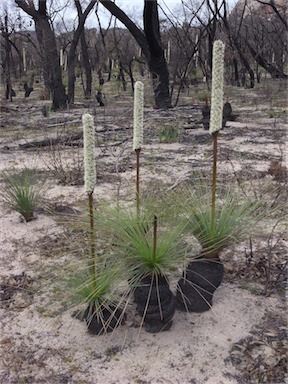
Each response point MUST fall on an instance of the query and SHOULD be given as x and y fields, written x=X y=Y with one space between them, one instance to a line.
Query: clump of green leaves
x=168 y=134
x=100 y=293
x=274 y=113
x=233 y=220
x=148 y=244
x=22 y=193
x=202 y=95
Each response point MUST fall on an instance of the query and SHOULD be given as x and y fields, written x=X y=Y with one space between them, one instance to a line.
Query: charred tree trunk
x=72 y=51
x=156 y=62
x=48 y=50
x=51 y=64
x=87 y=66
x=270 y=68
x=258 y=74
x=71 y=70
x=150 y=44
x=122 y=76
x=160 y=78
x=7 y=60
x=109 y=70
x=130 y=72
x=236 y=72
x=211 y=38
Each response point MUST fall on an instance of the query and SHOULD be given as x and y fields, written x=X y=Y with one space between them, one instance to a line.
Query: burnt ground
x=176 y=150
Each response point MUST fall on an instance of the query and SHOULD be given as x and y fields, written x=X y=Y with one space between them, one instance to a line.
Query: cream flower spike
x=217 y=87
x=89 y=153
x=138 y=115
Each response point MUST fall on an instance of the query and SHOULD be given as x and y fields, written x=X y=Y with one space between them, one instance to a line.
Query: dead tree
x=150 y=43
x=48 y=49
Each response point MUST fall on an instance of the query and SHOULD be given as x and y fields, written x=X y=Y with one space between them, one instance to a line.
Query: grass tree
x=97 y=286
x=215 y=224
x=150 y=248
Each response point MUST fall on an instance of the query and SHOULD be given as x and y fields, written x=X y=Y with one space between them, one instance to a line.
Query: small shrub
x=21 y=192
x=67 y=172
x=169 y=134
x=203 y=96
x=272 y=113
x=44 y=95
x=277 y=170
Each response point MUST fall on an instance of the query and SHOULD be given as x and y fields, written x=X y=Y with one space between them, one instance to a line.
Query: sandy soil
x=41 y=343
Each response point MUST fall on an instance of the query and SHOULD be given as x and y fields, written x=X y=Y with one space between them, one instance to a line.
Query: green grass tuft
x=22 y=193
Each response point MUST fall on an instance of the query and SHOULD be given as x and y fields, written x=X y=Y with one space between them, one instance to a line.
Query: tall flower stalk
x=138 y=134
x=216 y=115
x=90 y=180
x=154 y=238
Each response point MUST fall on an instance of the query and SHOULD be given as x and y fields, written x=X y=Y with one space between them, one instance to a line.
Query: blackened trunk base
x=156 y=303
x=196 y=288
x=109 y=319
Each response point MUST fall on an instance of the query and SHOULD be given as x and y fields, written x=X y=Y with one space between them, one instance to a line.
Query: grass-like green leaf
x=102 y=290
x=132 y=240
x=234 y=220
x=22 y=193
x=101 y=296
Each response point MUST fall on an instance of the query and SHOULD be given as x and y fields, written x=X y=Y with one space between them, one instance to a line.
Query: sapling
x=216 y=112
x=138 y=133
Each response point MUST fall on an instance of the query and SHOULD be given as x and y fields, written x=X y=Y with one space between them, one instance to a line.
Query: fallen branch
x=114 y=144
x=64 y=123
x=7 y=109
x=67 y=140
x=52 y=141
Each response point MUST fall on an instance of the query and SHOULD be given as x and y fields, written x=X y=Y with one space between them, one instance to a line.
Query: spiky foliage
x=102 y=292
x=108 y=277
x=22 y=193
x=145 y=249
x=234 y=220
